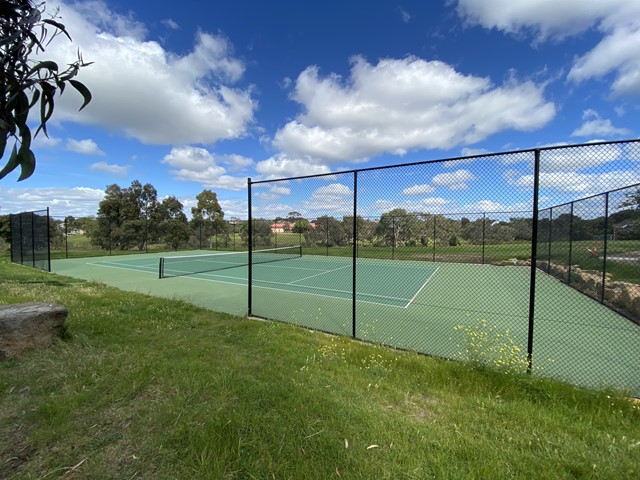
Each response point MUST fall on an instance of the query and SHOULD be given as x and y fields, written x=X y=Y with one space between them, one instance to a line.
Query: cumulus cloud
x=594 y=126
x=146 y=92
x=332 y=199
x=422 y=189
x=79 y=201
x=84 y=147
x=398 y=105
x=281 y=165
x=576 y=182
x=114 y=169
x=457 y=180
x=193 y=164
x=618 y=21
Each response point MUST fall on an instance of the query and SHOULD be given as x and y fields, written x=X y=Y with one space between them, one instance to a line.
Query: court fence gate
x=30 y=244
x=545 y=279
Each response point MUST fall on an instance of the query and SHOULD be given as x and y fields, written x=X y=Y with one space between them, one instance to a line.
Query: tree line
x=133 y=218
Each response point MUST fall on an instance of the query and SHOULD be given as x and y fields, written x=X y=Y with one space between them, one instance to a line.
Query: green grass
x=148 y=388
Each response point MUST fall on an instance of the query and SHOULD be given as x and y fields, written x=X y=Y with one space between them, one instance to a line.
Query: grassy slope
x=150 y=388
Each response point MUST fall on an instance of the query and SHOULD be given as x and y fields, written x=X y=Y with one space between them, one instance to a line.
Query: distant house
x=281 y=227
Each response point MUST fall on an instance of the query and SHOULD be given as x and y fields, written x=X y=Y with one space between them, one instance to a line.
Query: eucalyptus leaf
x=84 y=91
x=11 y=164
x=27 y=161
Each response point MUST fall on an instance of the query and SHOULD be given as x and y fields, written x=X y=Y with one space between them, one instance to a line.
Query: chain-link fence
x=89 y=236
x=30 y=239
x=542 y=273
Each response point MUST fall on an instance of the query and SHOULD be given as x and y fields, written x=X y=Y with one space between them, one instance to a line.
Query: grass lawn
x=150 y=388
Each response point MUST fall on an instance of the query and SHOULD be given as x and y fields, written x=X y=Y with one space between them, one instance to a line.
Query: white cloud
x=281 y=165
x=593 y=125
x=42 y=141
x=619 y=52
x=575 y=182
x=425 y=205
x=117 y=170
x=618 y=21
x=280 y=190
x=78 y=201
x=401 y=104
x=84 y=147
x=236 y=162
x=453 y=180
x=423 y=189
x=405 y=16
x=146 y=92
x=198 y=165
x=470 y=152
x=333 y=199
x=170 y=23
x=570 y=158
x=543 y=19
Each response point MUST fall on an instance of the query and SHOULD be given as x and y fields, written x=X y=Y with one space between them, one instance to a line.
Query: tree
x=207 y=216
x=25 y=83
x=261 y=230
x=301 y=226
x=632 y=199
x=397 y=227
x=125 y=216
x=329 y=231
x=174 y=228
x=5 y=229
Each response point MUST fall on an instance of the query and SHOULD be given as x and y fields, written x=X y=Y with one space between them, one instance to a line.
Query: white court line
x=318 y=274
x=125 y=266
x=423 y=285
x=349 y=299
x=350 y=292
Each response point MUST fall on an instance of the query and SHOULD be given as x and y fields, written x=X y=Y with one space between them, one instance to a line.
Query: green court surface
x=409 y=305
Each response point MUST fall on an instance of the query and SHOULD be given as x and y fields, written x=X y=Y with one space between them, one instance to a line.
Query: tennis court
x=412 y=305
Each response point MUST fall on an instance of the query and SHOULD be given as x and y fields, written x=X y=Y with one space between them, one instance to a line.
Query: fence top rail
x=451 y=159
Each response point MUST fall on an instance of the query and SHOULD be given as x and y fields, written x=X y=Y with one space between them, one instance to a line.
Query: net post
x=534 y=253
x=250 y=247
x=161 y=268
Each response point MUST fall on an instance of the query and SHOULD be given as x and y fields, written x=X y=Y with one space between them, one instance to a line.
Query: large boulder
x=25 y=326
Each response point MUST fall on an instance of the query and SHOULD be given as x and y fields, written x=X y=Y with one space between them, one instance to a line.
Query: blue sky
x=194 y=95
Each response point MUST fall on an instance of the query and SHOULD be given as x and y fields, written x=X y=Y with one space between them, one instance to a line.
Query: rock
x=25 y=326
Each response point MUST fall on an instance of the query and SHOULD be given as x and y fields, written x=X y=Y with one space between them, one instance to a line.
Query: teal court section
x=406 y=304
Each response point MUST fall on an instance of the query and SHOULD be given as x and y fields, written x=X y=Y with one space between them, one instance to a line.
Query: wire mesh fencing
x=30 y=239
x=522 y=260
x=90 y=236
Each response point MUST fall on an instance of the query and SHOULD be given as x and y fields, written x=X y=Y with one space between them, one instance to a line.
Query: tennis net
x=191 y=264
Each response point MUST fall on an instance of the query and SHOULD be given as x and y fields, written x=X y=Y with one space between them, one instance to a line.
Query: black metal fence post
x=48 y=241
x=66 y=238
x=534 y=254
x=249 y=248
x=355 y=252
